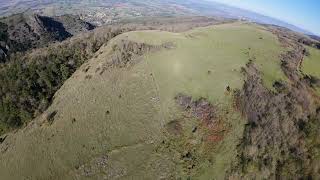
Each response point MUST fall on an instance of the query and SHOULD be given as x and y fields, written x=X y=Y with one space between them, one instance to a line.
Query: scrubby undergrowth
x=279 y=138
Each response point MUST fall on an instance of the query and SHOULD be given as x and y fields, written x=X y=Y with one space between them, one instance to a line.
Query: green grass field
x=121 y=114
x=222 y=49
x=311 y=63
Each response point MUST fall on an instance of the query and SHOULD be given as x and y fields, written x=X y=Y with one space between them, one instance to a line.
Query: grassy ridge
x=311 y=63
x=204 y=63
x=29 y=80
x=220 y=50
x=120 y=114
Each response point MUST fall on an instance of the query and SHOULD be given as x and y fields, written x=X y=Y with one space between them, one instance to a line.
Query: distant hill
x=315 y=37
x=24 y=31
x=218 y=9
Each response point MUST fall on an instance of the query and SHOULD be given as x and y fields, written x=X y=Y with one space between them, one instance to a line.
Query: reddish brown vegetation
x=216 y=132
x=200 y=108
x=203 y=110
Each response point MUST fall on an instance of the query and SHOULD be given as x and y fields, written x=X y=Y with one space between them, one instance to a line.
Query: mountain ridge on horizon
x=252 y=15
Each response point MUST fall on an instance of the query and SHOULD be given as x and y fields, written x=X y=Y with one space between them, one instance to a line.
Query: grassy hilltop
x=122 y=119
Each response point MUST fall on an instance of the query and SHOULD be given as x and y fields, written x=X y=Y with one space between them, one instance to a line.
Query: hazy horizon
x=296 y=12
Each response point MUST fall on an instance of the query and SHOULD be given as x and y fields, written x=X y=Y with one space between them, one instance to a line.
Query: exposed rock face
x=73 y=24
x=47 y=25
x=21 y=32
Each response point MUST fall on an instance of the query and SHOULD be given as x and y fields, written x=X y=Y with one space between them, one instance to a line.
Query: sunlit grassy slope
x=112 y=124
x=311 y=63
x=222 y=49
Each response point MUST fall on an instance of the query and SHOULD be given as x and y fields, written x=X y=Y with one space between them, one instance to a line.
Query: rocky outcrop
x=21 y=32
x=73 y=24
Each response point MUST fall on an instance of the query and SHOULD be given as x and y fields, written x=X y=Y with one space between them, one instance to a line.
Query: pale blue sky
x=302 y=13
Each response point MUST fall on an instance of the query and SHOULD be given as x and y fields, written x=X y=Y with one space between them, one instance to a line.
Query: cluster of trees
x=29 y=81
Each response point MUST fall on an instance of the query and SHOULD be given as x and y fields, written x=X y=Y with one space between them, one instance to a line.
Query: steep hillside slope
x=29 y=80
x=21 y=32
x=151 y=105
x=280 y=140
